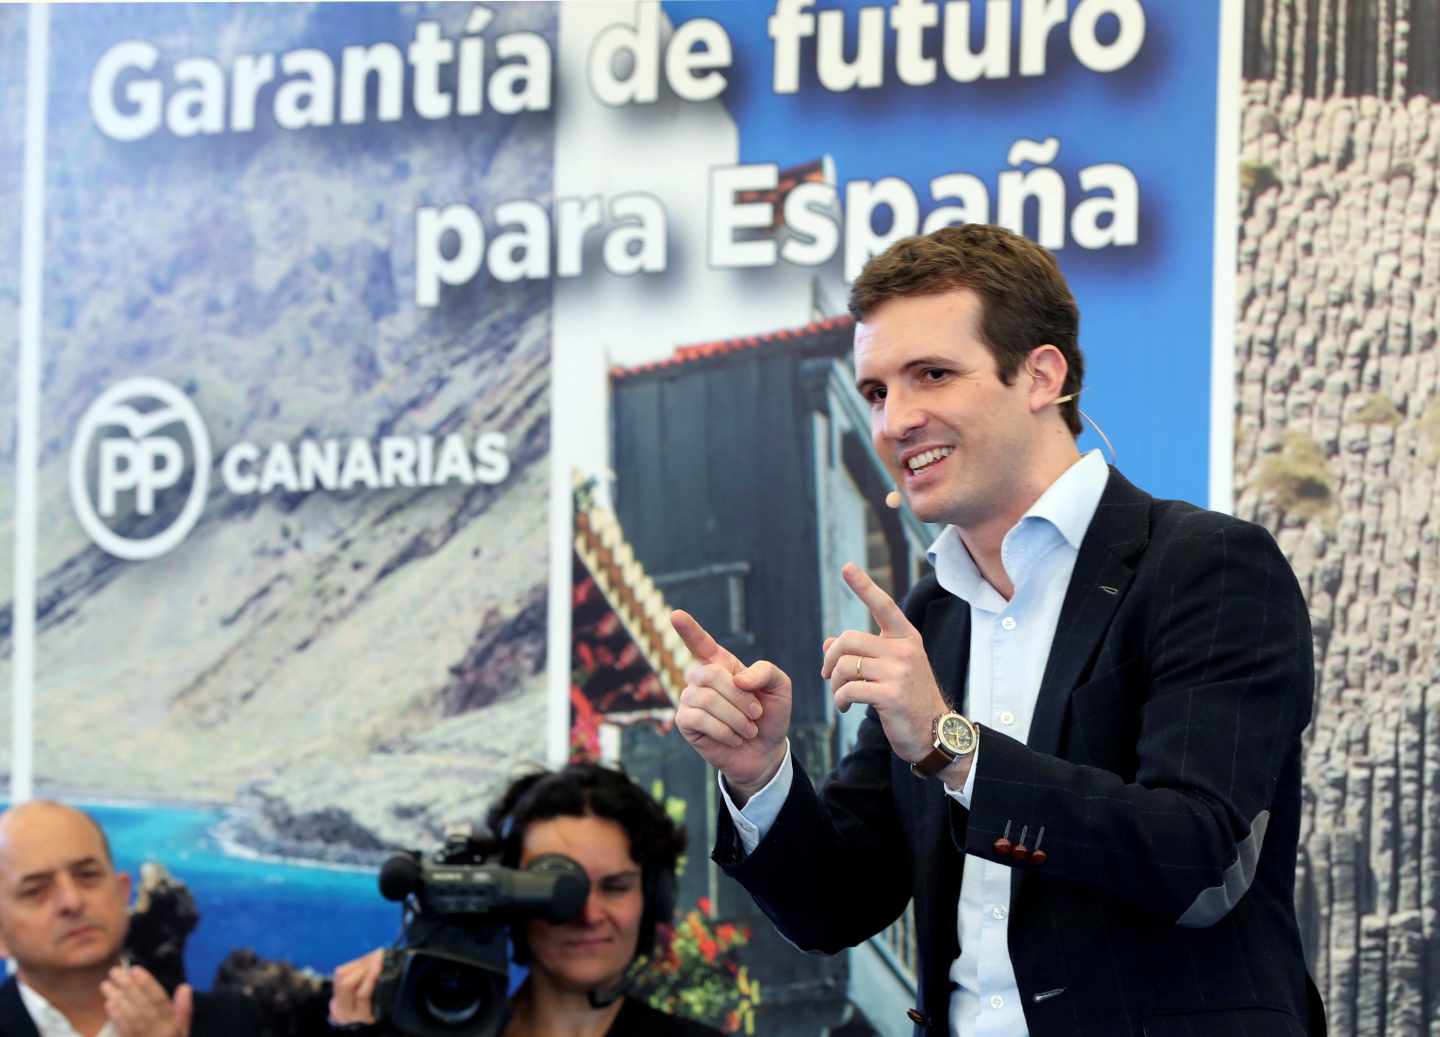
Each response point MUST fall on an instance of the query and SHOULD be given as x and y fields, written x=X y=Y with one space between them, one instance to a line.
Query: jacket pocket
x=1105 y=714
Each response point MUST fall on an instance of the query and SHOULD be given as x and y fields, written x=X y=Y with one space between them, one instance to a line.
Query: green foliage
x=697 y=973
x=1298 y=478
x=1378 y=409
x=1257 y=177
x=585 y=492
x=675 y=810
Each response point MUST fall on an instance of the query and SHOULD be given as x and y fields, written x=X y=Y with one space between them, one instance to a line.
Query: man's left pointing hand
x=891 y=672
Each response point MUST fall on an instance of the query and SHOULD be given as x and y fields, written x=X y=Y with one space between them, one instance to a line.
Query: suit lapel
x=945 y=631
x=1102 y=574
x=946 y=634
x=14 y=1020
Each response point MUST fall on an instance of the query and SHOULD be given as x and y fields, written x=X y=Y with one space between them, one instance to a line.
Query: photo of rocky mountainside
x=1337 y=447
x=345 y=670
x=12 y=139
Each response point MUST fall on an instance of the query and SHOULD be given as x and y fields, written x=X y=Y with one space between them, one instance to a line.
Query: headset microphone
x=893 y=500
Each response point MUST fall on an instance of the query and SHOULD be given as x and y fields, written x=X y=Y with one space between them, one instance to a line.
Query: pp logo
x=146 y=458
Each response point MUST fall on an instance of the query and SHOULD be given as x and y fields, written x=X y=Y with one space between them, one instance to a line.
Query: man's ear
x=1047 y=369
x=123 y=878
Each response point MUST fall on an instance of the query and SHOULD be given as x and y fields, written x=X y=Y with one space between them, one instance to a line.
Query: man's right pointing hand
x=735 y=716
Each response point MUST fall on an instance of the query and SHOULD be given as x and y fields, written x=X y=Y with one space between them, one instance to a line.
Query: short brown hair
x=1025 y=301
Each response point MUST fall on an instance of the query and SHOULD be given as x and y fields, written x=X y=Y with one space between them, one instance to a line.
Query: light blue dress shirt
x=1009 y=646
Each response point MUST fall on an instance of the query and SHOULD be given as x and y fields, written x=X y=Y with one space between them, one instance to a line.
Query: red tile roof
x=703 y=350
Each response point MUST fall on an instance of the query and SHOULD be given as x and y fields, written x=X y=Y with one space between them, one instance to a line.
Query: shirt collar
x=1068 y=504
x=954 y=568
x=49 y=1020
x=1070 y=501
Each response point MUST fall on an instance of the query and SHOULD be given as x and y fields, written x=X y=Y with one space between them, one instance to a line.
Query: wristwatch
x=953 y=737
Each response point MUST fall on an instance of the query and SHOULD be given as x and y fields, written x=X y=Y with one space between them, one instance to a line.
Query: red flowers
x=696 y=972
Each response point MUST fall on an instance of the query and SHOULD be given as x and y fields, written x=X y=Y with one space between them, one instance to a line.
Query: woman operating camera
x=579 y=969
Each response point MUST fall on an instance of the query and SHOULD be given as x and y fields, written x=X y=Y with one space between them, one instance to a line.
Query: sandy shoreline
x=231 y=829
x=234 y=845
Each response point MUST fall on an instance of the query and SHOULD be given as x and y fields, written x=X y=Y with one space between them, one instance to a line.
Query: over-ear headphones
x=660 y=890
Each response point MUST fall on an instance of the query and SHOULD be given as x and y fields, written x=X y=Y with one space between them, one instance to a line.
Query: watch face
x=956 y=734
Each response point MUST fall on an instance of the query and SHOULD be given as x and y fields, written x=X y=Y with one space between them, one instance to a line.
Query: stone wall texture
x=1344 y=48
x=1337 y=451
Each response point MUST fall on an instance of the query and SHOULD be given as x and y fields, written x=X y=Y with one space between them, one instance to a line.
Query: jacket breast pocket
x=1105 y=713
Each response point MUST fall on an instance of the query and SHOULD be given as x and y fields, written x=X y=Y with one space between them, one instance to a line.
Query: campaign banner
x=400 y=365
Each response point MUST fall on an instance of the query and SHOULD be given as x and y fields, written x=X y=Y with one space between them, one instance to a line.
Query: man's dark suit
x=215 y=1015
x=1163 y=756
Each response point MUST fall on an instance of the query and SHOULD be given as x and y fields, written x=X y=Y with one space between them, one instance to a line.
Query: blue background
x=1145 y=310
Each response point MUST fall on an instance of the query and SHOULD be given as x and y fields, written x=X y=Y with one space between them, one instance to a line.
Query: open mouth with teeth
x=921 y=462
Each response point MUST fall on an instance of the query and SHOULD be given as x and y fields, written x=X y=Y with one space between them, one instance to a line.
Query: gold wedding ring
x=859 y=676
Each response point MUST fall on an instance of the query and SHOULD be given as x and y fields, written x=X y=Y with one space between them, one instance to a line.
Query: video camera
x=447 y=977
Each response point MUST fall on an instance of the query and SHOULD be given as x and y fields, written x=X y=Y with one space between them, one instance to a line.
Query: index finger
x=702 y=646
x=891 y=620
x=365 y=994
x=360 y=965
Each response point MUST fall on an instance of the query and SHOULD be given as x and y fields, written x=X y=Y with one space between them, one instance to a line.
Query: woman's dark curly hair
x=588 y=789
x=582 y=789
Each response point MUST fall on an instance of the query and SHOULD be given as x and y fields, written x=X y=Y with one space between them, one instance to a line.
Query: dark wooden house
x=745 y=479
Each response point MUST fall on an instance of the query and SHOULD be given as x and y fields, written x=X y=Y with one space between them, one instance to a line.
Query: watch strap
x=932 y=763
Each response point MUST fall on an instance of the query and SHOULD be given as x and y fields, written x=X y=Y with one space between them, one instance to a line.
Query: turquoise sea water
x=307 y=915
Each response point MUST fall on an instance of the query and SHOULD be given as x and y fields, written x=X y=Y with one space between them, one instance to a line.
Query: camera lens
x=451 y=993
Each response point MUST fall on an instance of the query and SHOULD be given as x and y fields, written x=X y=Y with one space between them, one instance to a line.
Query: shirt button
x=1008 y=622
x=997 y=1001
x=1007 y=718
x=999 y=913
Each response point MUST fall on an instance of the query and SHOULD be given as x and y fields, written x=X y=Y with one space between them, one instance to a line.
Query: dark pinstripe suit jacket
x=1163 y=762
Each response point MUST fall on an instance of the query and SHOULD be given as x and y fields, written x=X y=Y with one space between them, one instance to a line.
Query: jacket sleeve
x=834 y=869
x=1218 y=687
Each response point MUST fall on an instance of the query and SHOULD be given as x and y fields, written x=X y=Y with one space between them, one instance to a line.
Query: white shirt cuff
x=962 y=795
x=760 y=810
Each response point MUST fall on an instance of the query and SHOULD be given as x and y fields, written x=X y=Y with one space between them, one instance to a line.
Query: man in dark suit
x=1081 y=752
x=64 y=910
